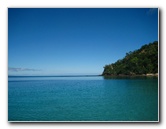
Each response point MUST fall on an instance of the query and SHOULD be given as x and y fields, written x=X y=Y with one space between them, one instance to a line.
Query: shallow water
x=82 y=99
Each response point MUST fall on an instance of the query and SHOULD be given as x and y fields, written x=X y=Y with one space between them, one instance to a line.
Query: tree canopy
x=138 y=62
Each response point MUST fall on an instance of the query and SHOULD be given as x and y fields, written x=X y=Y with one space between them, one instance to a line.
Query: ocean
x=83 y=99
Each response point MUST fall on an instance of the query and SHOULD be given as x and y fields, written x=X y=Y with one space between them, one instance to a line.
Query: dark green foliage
x=138 y=62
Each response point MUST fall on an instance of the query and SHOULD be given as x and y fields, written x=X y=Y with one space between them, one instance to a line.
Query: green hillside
x=138 y=62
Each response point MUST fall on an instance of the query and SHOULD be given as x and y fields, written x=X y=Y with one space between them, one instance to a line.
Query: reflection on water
x=130 y=77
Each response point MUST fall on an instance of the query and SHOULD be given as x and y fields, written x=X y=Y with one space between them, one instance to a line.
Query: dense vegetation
x=138 y=62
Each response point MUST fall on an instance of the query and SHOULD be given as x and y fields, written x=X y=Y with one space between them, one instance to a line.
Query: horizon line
x=53 y=75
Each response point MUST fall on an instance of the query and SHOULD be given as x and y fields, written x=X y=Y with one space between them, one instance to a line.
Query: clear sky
x=67 y=41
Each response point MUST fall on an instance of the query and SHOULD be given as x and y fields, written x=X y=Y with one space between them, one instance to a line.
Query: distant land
x=143 y=61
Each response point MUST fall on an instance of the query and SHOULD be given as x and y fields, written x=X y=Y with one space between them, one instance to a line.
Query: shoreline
x=133 y=75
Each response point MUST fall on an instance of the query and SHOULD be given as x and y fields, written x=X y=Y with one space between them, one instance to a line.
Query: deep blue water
x=82 y=99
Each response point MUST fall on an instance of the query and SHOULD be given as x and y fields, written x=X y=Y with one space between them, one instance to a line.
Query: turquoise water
x=82 y=99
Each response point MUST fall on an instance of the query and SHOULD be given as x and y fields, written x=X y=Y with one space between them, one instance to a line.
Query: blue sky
x=75 y=41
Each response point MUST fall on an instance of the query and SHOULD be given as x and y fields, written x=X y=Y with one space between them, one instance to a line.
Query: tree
x=141 y=61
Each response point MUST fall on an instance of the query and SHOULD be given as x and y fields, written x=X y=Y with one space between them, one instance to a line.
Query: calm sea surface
x=82 y=99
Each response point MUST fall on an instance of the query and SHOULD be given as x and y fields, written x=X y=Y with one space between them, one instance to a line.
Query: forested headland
x=143 y=61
